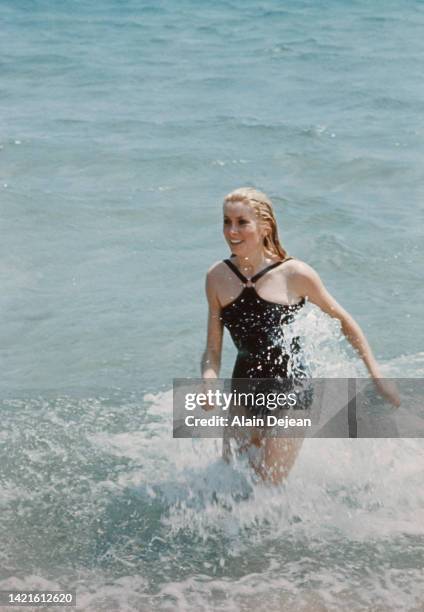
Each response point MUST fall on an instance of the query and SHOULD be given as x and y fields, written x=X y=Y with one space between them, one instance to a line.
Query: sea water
x=123 y=125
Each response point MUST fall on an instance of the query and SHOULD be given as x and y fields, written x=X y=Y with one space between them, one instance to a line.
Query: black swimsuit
x=256 y=327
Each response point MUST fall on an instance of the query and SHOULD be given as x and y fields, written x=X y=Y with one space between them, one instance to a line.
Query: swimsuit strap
x=236 y=271
x=258 y=275
x=267 y=269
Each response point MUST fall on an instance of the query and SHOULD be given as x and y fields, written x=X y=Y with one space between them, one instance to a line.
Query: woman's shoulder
x=215 y=278
x=216 y=269
x=302 y=277
x=297 y=267
x=216 y=273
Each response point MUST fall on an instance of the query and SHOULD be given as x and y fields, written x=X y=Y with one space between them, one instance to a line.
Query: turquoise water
x=123 y=124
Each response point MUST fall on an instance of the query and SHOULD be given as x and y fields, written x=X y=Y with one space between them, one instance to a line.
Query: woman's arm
x=211 y=360
x=306 y=283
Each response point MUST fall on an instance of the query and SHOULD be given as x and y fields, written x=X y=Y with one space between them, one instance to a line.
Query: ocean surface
x=123 y=124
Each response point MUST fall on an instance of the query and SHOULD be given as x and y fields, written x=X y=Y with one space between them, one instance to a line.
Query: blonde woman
x=254 y=293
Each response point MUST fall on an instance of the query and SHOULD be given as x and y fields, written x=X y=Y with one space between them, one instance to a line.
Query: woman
x=254 y=294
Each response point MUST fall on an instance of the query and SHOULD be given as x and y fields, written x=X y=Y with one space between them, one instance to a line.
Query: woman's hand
x=388 y=390
x=208 y=407
x=206 y=386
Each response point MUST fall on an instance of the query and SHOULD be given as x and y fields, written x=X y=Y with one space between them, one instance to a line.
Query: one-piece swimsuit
x=256 y=326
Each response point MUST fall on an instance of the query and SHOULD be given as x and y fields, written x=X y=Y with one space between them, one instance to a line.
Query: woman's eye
x=226 y=222
x=242 y=222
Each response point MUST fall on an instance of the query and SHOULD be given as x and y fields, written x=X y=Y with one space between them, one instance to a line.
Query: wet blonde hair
x=262 y=206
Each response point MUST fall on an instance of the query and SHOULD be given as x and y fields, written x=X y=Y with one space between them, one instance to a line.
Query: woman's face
x=242 y=230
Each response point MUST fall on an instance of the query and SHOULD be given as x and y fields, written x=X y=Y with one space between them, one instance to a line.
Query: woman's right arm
x=211 y=360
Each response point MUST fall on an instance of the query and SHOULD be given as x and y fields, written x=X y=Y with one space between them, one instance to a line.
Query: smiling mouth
x=236 y=241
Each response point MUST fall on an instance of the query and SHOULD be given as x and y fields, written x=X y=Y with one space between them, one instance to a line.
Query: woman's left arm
x=305 y=282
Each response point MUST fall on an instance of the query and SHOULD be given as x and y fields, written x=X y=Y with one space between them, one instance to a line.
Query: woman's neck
x=251 y=264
